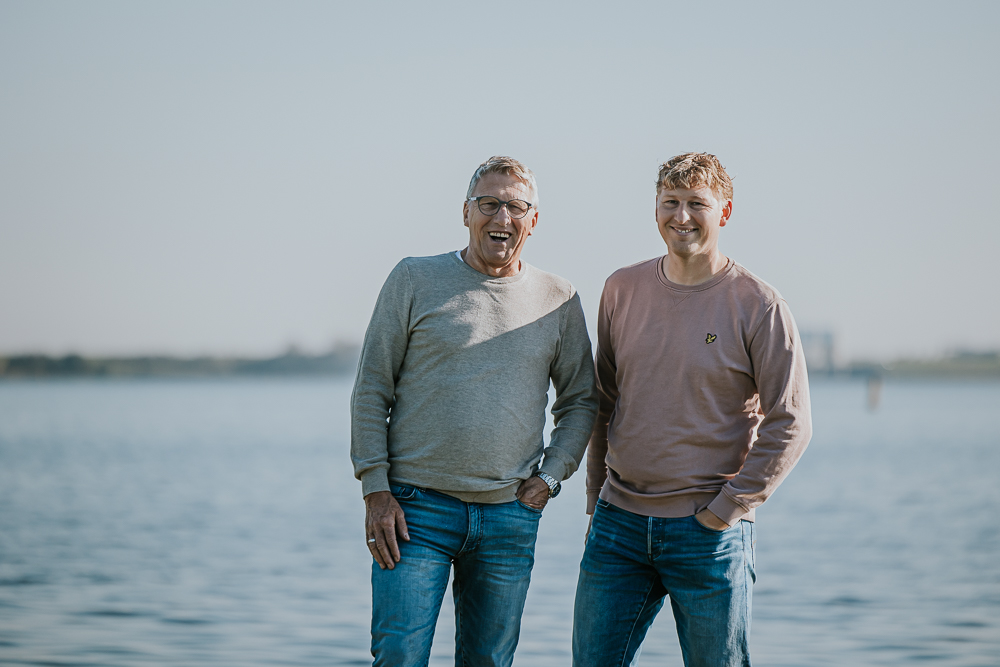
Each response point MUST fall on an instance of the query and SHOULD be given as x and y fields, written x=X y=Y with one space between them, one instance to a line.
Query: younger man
x=704 y=410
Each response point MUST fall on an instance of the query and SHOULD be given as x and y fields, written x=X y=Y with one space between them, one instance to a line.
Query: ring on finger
x=371 y=540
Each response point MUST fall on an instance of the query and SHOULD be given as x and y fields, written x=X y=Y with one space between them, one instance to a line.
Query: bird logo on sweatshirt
x=710 y=338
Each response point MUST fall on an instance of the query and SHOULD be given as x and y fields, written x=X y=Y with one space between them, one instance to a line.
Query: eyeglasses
x=516 y=208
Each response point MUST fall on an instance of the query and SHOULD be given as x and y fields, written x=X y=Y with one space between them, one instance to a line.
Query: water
x=219 y=523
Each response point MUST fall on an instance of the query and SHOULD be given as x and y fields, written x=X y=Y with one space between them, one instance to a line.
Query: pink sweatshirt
x=704 y=394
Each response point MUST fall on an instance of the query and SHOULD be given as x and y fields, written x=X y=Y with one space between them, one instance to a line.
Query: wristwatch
x=554 y=486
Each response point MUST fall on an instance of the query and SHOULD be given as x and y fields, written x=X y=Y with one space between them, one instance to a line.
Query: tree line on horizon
x=340 y=361
x=343 y=360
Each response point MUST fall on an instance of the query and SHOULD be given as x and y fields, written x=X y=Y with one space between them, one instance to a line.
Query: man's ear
x=465 y=212
x=534 y=221
x=727 y=211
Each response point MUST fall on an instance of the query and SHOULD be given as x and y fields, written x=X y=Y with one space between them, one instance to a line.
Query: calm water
x=218 y=523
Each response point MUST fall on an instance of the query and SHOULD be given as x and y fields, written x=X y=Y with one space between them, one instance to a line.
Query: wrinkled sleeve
x=573 y=411
x=607 y=393
x=784 y=432
x=374 y=387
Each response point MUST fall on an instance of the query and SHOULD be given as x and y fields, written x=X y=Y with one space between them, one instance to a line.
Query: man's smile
x=499 y=236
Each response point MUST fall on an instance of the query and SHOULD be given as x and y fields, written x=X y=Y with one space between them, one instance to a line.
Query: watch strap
x=554 y=486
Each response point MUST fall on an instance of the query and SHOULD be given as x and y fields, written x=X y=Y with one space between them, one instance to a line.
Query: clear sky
x=233 y=177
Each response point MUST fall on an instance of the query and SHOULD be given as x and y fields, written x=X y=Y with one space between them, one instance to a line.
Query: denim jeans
x=492 y=548
x=632 y=561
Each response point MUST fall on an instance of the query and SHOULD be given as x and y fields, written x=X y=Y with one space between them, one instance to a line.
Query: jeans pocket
x=533 y=510
x=712 y=531
x=403 y=492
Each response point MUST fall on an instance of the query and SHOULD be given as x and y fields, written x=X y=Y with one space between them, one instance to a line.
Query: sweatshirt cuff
x=555 y=466
x=727 y=509
x=373 y=481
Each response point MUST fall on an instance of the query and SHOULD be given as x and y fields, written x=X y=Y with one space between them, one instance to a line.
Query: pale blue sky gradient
x=232 y=177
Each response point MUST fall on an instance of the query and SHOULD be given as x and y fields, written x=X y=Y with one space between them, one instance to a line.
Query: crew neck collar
x=661 y=275
x=525 y=267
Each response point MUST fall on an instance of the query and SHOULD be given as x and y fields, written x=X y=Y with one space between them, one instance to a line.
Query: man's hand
x=710 y=521
x=533 y=492
x=383 y=521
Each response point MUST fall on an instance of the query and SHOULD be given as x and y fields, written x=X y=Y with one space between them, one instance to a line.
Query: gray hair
x=501 y=164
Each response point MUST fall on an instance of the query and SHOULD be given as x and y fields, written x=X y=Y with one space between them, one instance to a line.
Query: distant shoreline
x=961 y=365
x=343 y=360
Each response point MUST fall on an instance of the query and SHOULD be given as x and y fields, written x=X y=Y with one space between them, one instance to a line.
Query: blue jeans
x=631 y=562
x=493 y=550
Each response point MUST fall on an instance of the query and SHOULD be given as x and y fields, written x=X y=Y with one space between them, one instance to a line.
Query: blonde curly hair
x=695 y=170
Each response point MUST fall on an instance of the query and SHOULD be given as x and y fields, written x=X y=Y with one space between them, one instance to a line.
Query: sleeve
x=784 y=432
x=572 y=374
x=374 y=387
x=607 y=393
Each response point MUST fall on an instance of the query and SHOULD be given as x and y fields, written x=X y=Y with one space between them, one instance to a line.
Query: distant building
x=819 y=350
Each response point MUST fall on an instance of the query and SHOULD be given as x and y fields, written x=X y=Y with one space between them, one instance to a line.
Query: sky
x=237 y=177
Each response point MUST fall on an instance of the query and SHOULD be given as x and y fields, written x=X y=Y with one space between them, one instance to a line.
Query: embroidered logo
x=710 y=338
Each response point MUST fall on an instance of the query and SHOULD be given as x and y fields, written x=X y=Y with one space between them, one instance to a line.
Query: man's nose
x=682 y=214
x=502 y=215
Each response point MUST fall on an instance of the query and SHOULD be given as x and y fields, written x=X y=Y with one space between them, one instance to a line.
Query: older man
x=704 y=410
x=447 y=418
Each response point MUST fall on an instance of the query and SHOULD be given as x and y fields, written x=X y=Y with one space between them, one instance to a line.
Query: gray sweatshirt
x=453 y=381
